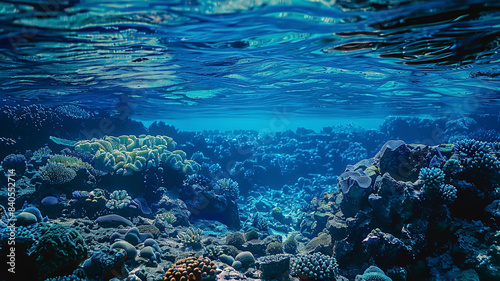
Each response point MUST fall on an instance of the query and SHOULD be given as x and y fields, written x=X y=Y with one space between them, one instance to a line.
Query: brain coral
x=274 y=248
x=59 y=250
x=126 y=154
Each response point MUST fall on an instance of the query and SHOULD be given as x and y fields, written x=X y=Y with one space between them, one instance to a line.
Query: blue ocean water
x=290 y=140
x=232 y=63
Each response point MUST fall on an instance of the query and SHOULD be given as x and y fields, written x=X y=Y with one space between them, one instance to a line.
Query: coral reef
x=127 y=154
x=423 y=211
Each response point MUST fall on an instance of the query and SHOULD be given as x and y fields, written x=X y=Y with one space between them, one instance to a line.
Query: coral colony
x=157 y=203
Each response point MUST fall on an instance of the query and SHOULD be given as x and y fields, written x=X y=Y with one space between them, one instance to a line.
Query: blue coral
x=477 y=156
x=16 y=162
x=315 y=267
x=73 y=111
x=60 y=249
x=470 y=147
x=434 y=187
x=354 y=153
x=228 y=188
x=373 y=273
x=485 y=135
x=71 y=277
x=432 y=177
x=448 y=192
x=485 y=162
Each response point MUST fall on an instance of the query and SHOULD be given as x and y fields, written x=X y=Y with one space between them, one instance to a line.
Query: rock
x=131 y=251
x=105 y=263
x=263 y=206
x=467 y=275
x=387 y=250
x=494 y=209
x=237 y=265
x=226 y=259
x=275 y=267
x=25 y=219
x=246 y=258
x=255 y=246
x=231 y=274
x=322 y=244
x=49 y=201
x=113 y=221
x=337 y=228
x=148 y=253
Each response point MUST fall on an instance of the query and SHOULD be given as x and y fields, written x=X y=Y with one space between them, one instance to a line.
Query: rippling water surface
x=199 y=59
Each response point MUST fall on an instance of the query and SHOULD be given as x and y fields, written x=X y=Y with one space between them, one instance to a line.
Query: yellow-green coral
x=128 y=153
x=69 y=161
x=191 y=237
x=167 y=217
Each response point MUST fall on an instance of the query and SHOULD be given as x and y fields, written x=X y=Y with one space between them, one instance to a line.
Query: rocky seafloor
x=91 y=196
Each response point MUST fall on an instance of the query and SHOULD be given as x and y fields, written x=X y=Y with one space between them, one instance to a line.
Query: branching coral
x=119 y=199
x=470 y=147
x=434 y=186
x=228 y=188
x=431 y=177
x=191 y=237
x=315 y=267
x=57 y=173
x=167 y=218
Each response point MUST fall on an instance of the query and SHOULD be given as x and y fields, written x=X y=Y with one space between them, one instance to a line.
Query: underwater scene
x=288 y=140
